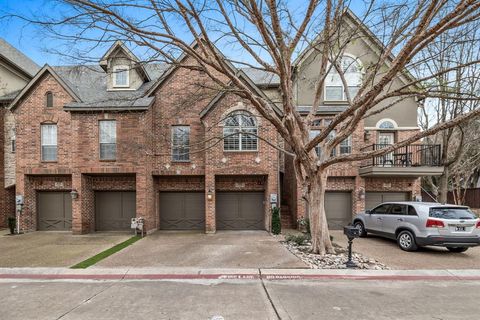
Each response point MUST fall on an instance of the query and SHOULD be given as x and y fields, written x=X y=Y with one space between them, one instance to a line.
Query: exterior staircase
x=286 y=217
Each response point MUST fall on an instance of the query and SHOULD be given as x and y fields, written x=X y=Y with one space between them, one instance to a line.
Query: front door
x=385 y=139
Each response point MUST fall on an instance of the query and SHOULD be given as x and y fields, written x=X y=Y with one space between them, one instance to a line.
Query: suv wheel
x=457 y=249
x=359 y=225
x=406 y=241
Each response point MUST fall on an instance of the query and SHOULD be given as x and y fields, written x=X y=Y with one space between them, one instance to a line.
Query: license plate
x=460 y=229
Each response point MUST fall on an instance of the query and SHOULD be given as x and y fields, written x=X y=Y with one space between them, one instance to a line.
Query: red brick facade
x=143 y=157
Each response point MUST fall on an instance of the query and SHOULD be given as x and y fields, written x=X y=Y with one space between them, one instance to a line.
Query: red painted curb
x=270 y=277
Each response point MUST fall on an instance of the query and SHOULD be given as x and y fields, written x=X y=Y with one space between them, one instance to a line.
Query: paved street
x=388 y=252
x=240 y=299
x=224 y=249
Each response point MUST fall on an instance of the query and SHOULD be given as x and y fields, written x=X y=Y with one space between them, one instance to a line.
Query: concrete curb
x=234 y=274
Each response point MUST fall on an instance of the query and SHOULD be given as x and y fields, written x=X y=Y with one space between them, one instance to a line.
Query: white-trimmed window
x=181 y=143
x=49 y=142
x=240 y=132
x=345 y=147
x=318 y=149
x=334 y=87
x=49 y=99
x=386 y=124
x=313 y=134
x=121 y=76
x=108 y=139
x=13 y=141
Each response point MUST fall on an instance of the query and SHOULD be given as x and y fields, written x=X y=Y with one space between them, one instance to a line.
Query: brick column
x=358 y=203
x=145 y=200
x=210 y=223
x=83 y=208
x=77 y=219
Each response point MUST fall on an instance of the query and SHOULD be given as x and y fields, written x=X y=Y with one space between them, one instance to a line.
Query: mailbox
x=351 y=232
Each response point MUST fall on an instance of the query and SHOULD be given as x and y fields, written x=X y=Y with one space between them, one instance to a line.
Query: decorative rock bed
x=331 y=261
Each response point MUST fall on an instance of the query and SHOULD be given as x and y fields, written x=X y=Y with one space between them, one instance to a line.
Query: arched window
x=334 y=87
x=386 y=124
x=49 y=99
x=240 y=132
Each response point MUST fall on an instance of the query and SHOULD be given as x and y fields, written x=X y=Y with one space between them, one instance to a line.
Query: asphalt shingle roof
x=89 y=82
x=18 y=58
x=261 y=77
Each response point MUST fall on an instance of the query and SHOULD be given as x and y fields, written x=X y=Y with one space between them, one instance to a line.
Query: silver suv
x=416 y=224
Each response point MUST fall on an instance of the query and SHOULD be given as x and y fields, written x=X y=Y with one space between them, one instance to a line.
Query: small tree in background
x=276 y=222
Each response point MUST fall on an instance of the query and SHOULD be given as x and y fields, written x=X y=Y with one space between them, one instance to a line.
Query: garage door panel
x=240 y=211
x=338 y=207
x=182 y=210
x=373 y=199
x=114 y=210
x=54 y=211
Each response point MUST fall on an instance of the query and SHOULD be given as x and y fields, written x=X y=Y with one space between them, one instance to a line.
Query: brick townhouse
x=97 y=145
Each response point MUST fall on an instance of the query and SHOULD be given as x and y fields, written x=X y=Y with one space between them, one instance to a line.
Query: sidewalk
x=127 y=274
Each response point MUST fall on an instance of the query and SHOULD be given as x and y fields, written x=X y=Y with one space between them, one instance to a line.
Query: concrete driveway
x=225 y=249
x=53 y=249
x=388 y=252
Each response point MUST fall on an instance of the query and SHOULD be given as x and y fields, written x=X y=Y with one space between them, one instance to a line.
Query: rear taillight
x=435 y=224
x=478 y=224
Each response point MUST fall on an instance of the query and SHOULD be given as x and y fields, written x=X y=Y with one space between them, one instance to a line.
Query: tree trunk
x=443 y=187
x=321 y=242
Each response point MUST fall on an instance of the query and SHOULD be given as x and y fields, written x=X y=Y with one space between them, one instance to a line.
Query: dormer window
x=121 y=77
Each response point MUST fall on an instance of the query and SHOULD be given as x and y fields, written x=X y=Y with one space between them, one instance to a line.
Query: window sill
x=128 y=88
x=181 y=161
x=240 y=151
x=107 y=160
x=49 y=161
x=335 y=102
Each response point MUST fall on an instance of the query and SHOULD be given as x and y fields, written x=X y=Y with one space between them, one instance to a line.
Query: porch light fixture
x=167 y=166
x=209 y=194
x=74 y=194
x=367 y=135
x=257 y=159
x=361 y=194
x=224 y=160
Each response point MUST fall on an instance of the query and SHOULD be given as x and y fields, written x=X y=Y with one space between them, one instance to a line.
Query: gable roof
x=16 y=58
x=243 y=76
x=46 y=69
x=373 y=42
x=120 y=46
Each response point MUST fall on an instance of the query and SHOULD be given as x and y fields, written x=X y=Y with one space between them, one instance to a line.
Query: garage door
x=54 y=210
x=338 y=207
x=372 y=199
x=114 y=210
x=182 y=210
x=240 y=211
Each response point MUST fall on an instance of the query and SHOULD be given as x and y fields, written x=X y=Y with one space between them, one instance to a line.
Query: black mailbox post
x=351 y=232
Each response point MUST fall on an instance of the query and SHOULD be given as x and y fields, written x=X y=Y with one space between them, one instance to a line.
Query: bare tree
x=270 y=34
x=453 y=48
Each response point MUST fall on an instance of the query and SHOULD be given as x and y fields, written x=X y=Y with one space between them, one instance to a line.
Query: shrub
x=276 y=222
x=12 y=223
x=298 y=239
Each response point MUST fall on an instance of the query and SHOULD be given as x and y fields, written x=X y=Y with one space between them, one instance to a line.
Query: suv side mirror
x=368 y=211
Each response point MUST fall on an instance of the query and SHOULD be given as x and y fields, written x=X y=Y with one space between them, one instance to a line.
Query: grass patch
x=104 y=254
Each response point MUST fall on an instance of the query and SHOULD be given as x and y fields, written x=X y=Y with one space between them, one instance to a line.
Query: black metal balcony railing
x=414 y=155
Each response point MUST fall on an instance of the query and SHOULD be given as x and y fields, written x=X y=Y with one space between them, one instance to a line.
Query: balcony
x=414 y=160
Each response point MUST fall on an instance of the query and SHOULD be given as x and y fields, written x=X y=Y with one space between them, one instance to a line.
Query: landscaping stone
x=331 y=261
